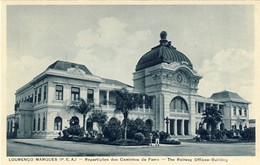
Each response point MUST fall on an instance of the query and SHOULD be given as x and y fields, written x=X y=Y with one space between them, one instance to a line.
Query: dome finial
x=163 y=35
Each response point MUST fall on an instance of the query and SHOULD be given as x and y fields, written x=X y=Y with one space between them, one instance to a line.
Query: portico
x=179 y=126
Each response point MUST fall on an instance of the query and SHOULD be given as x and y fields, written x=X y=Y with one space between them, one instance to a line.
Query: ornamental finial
x=163 y=35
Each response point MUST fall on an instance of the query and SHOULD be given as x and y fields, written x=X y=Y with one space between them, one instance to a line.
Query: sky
x=110 y=39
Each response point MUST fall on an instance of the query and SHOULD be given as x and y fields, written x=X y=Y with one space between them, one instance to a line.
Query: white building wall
x=192 y=122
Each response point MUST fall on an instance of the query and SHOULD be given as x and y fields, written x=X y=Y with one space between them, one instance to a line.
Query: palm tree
x=100 y=118
x=125 y=103
x=81 y=107
x=211 y=116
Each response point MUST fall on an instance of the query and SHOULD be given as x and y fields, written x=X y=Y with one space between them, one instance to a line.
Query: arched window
x=149 y=124
x=89 y=125
x=43 y=123
x=58 y=123
x=113 y=119
x=240 y=126
x=222 y=126
x=34 y=124
x=178 y=103
x=39 y=124
x=74 y=121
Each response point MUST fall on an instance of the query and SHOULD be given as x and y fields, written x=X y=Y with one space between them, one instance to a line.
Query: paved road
x=43 y=147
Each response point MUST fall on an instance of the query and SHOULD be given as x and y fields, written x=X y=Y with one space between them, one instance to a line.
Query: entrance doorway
x=171 y=126
x=186 y=127
x=179 y=127
x=74 y=121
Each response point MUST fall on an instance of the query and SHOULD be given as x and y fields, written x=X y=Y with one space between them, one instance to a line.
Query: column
x=96 y=95
x=161 y=112
x=175 y=127
x=143 y=104
x=204 y=106
x=196 y=107
x=107 y=99
x=182 y=126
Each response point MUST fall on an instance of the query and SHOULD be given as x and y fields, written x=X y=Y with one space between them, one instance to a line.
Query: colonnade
x=179 y=126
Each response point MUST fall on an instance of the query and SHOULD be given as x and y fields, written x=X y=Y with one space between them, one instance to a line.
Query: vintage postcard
x=129 y=82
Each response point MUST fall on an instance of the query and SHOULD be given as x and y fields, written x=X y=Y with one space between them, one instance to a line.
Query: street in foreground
x=43 y=147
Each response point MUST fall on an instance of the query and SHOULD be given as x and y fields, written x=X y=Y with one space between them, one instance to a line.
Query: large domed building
x=163 y=53
x=164 y=73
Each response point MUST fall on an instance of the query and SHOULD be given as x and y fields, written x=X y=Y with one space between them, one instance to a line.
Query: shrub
x=172 y=141
x=220 y=134
x=113 y=130
x=100 y=118
x=248 y=134
x=74 y=131
x=135 y=126
x=126 y=142
x=230 y=134
x=139 y=137
x=163 y=136
x=99 y=136
x=204 y=134
x=93 y=133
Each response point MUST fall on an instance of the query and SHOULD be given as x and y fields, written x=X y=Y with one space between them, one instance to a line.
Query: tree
x=113 y=129
x=135 y=126
x=99 y=117
x=81 y=107
x=211 y=116
x=125 y=103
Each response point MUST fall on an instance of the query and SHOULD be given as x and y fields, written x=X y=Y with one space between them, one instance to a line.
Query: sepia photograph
x=122 y=82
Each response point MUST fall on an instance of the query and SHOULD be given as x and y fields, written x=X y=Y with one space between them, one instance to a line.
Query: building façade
x=163 y=73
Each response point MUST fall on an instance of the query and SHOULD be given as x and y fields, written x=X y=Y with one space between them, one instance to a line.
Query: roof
x=64 y=65
x=115 y=82
x=206 y=100
x=227 y=96
x=164 y=52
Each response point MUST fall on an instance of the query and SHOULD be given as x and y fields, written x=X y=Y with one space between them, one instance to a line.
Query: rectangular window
x=90 y=97
x=75 y=93
x=35 y=96
x=150 y=104
x=200 y=107
x=245 y=112
x=31 y=98
x=40 y=95
x=234 y=111
x=59 y=92
x=45 y=92
x=240 y=111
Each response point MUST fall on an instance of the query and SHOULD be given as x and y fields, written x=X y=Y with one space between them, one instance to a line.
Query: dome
x=164 y=52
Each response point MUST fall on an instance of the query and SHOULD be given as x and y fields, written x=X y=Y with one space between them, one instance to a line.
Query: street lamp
x=167 y=122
